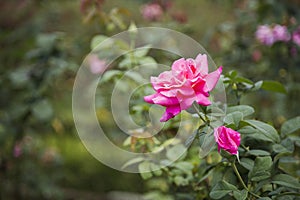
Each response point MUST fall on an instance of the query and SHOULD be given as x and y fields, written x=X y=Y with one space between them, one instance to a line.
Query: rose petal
x=170 y=112
x=202 y=65
x=202 y=100
x=149 y=98
x=213 y=78
x=165 y=101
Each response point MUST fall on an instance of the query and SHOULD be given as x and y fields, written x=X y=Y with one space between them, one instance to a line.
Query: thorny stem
x=244 y=147
x=241 y=180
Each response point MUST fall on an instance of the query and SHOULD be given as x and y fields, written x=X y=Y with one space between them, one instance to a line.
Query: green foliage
x=257 y=174
x=290 y=126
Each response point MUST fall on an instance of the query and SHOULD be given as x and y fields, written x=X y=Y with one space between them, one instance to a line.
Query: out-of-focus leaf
x=145 y=170
x=257 y=86
x=105 y=42
x=286 y=180
x=176 y=151
x=186 y=167
x=180 y=181
x=42 y=110
x=156 y=169
x=243 y=80
x=133 y=161
x=108 y=75
x=273 y=86
x=135 y=76
x=125 y=63
x=20 y=76
x=148 y=61
x=141 y=51
x=290 y=126
x=257 y=152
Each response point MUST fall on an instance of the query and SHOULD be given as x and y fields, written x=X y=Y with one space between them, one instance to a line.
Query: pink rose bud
x=188 y=81
x=227 y=139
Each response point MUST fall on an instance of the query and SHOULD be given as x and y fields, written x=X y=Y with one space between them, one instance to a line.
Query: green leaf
x=247 y=130
x=141 y=51
x=232 y=74
x=278 y=148
x=286 y=180
x=145 y=170
x=176 y=152
x=264 y=198
x=267 y=130
x=273 y=86
x=125 y=63
x=135 y=76
x=207 y=142
x=108 y=75
x=261 y=169
x=101 y=39
x=180 y=181
x=221 y=189
x=148 y=61
x=246 y=110
x=186 y=167
x=234 y=118
x=132 y=161
x=240 y=195
x=20 y=76
x=290 y=126
x=146 y=175
x=247 y=163
x=243 y=80
x=257 y=152
x=286 y=145
x=156 y=169
x=277 y=191
x=257 y=86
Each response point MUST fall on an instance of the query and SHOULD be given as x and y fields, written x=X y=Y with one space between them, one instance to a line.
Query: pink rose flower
x=227 y=139
x=296 y=36
x=280 y=33
x=188 y=81
x=264 y=35
x=152 y=12
x=96 y=65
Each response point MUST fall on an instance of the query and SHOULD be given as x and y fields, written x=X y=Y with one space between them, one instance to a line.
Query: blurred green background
x=43 y=43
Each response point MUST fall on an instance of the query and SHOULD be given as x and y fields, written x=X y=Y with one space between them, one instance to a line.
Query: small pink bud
x=227 y=139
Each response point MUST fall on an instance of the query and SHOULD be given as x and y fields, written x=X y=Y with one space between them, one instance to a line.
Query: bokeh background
x=43 y=44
